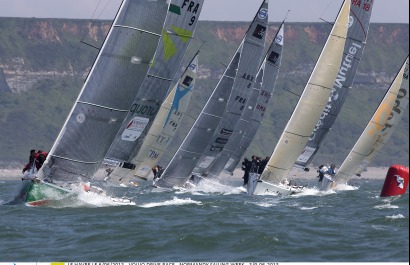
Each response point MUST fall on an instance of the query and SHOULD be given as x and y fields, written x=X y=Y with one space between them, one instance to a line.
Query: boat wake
x=206 y=186
x=173 y=202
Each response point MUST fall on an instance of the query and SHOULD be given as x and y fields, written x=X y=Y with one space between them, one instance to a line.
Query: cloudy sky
x=220 y=10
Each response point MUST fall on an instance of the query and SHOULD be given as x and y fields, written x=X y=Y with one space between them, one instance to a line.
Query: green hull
x=41 y=193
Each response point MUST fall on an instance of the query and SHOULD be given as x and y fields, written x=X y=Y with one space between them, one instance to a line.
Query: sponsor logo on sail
x=339 y=82
x=396 y=109
x=134 y=129
x=192 y=67
x=263 y=13
x=146 y=110
x=351 y=21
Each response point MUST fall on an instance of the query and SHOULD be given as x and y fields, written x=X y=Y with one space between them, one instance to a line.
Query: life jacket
x=40 y=158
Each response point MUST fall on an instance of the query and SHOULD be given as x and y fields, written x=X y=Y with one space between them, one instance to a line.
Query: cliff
x=43 y=63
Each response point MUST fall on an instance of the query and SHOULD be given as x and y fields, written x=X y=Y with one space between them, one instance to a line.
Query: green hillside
x=43 y=65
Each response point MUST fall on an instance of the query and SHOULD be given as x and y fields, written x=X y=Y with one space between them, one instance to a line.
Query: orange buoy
x=396 y=182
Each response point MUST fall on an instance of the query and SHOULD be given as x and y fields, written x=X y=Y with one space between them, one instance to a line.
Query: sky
x=390 y=11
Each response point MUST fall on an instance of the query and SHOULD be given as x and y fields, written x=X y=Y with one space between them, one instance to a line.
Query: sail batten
x=89 y=129
x=102 y=107
x=379 y=129
x=359 y=21
x=137 y=29
x=311 y=103
x=261 y=96
x=205 y=128
x=176 y=34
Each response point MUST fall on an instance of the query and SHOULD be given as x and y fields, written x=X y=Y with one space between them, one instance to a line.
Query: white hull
x=327 y=183
x=279 y=189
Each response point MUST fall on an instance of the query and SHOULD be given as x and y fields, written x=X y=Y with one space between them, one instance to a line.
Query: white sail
x=178 y=31
x=311 y=103
x=252 y=116
x=230 y=95
x=165 y=125
x=106 y=97
x=379 y=129
x=359 y=22
x=240 y=95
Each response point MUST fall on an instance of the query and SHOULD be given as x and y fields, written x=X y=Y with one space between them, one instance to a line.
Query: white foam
x=174 y=202
x=206 y=186
x=309 y=208
x=396 y=216
x=386 y=206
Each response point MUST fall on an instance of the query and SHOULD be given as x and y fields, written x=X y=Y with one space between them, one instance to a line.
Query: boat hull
x=265 y=188
x=327 y=183
x=43 y=193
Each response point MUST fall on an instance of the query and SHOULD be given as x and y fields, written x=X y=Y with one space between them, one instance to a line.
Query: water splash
x=396 y=216
x=174 y=202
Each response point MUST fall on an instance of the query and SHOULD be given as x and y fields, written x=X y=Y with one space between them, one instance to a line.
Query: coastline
x=370 y=173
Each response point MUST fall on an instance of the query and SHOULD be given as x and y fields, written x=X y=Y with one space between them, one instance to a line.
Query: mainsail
x=184 y=161
x=379 y=129
x=240 y=97
x=165 y=125
x=252 y=115
x=106 y=97
x=176 y=35
x=359 y=21
x=311 y=103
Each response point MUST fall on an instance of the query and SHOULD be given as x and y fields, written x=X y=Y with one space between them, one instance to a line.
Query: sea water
x=213 y=222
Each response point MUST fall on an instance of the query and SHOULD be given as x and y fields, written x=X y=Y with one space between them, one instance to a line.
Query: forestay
x=359 y=21
x=179 y=28
x=240 y=97
x=252 y=116
x=188 y=154
x=107 y=94
x=311 y=103
x=379 y=129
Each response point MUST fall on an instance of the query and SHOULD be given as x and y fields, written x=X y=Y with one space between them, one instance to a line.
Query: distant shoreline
x=370 y=173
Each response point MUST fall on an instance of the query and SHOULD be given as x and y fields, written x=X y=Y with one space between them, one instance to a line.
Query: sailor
x=30 y=162
x=157 y=170
x=40 y=157
x=246 y=167
x=322 y=170
x=264 y=162
x=256 y=163
x=331 y=170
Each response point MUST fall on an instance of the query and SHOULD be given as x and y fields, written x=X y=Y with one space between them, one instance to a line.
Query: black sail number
x=192 y=20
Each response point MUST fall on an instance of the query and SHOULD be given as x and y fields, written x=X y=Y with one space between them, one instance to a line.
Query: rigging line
x=331 y=3
x=103 y=9
x=90 y=45
x=95 y=10
x=291 y=92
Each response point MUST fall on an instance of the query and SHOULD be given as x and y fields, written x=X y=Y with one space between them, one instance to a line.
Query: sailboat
x=306 y=114
x=176 y=36
x=359 y=22
x=240 y=97
x=218 y=118
x=252 y=116
x=165 y=125
x=105 y=100
x=377 y=132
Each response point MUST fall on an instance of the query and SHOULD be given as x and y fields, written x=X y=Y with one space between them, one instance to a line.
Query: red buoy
x=396 y=182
